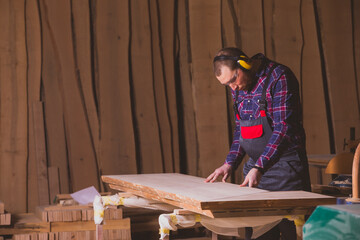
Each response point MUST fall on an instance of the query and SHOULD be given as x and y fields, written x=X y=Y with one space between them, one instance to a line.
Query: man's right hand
x=224 y=170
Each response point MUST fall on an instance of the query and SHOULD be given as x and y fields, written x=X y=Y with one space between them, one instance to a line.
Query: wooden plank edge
x=143 y=188
x=194 y=208
x=89 y=225
x=266 y=204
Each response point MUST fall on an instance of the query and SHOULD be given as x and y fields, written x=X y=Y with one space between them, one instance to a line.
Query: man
x=268 y=127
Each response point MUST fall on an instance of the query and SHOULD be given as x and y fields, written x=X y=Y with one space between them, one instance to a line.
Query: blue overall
x=290 y=172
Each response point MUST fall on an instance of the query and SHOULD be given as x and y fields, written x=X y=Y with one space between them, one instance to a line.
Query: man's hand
x=252 y=178
x=224 y=171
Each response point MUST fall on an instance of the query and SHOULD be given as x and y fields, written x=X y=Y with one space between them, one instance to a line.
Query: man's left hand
x=252 y=178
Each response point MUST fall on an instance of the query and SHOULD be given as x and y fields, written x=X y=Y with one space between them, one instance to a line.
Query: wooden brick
x=83 y=215
x=41 y=213
x=117 y=214
x=53 y=236
x=34 y=236
x=107 y=214
x=43 y=236
x=76 y=215
x=2 y=207
x=90 y=215
x=67 y=216
x=7 y=218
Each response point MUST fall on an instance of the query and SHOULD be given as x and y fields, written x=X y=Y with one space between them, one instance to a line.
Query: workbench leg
x=214 y=236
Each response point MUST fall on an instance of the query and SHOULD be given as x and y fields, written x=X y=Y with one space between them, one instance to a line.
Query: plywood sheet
x=194 y=193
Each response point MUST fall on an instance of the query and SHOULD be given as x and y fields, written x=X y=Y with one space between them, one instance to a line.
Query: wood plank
x=356 y=28
x=2 y=207
x=283 y=199
x=5 y=219
x=313 y=100
x=34 y=51
x=56 y=18
x=192 y=207
x=89 y=225
x=285 y=39
x=83 y=57
x=13 y=102
x=250 y=14
x=117 y=145
x=148 y=138
x=336 y=32
x=167 y=40
x=54 y=107
x=161 y=94
x=192 y=193
x=40 y=153
x=209 y=95
x=188 y=123
x=54 y=183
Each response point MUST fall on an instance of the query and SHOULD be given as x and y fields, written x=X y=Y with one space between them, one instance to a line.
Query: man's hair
x=231 y=64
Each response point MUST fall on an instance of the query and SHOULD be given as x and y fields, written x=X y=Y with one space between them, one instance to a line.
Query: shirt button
x=251 y=116
x=248 y=100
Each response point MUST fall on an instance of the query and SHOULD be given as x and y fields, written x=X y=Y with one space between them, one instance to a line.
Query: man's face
x=235 y=79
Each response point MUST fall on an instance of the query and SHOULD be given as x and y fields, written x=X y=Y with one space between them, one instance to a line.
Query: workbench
x=218 y=199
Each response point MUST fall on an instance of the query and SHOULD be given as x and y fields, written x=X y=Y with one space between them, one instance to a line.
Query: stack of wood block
x=5 y=218
x=57 y=222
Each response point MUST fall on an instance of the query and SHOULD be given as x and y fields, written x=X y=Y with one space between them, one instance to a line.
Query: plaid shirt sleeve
x=236 y=153
x=284 y=110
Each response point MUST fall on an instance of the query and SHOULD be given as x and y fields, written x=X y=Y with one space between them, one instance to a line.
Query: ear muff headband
x=242 y=60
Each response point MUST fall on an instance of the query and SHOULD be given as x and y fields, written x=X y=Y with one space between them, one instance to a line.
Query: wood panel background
x=90 y=87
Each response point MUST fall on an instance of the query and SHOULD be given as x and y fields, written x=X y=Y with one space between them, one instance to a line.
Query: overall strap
x=262 y=101
x=236 y=104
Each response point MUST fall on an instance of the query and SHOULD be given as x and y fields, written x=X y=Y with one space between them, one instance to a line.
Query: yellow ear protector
x=242 y=60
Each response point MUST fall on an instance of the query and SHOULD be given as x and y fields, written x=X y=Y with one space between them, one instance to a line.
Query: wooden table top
x=192 y=193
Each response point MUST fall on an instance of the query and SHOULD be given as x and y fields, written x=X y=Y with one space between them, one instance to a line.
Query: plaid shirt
x=283 y=111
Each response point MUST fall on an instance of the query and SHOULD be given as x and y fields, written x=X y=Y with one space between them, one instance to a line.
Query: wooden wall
x=90 y=87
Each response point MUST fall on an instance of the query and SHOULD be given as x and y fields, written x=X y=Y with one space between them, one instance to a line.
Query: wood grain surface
x=192 y=192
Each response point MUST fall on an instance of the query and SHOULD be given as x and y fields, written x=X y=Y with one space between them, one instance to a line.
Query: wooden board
x=33 y=47
x=313 y=100
x=40 y=152
x=167 y=40
x=80 y=150
x=160 y=93
x=209 y=95
x=2 y=207
x=117 y=145
x=188 y=123
x=194 y=194
x=29 y=223
x=337 y=32
x=13 y=105
x=144 y=108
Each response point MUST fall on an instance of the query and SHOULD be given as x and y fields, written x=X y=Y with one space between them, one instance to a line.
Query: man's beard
x=248 y=82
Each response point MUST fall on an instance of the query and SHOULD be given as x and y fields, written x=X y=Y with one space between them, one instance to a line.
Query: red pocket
x=252 y=132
